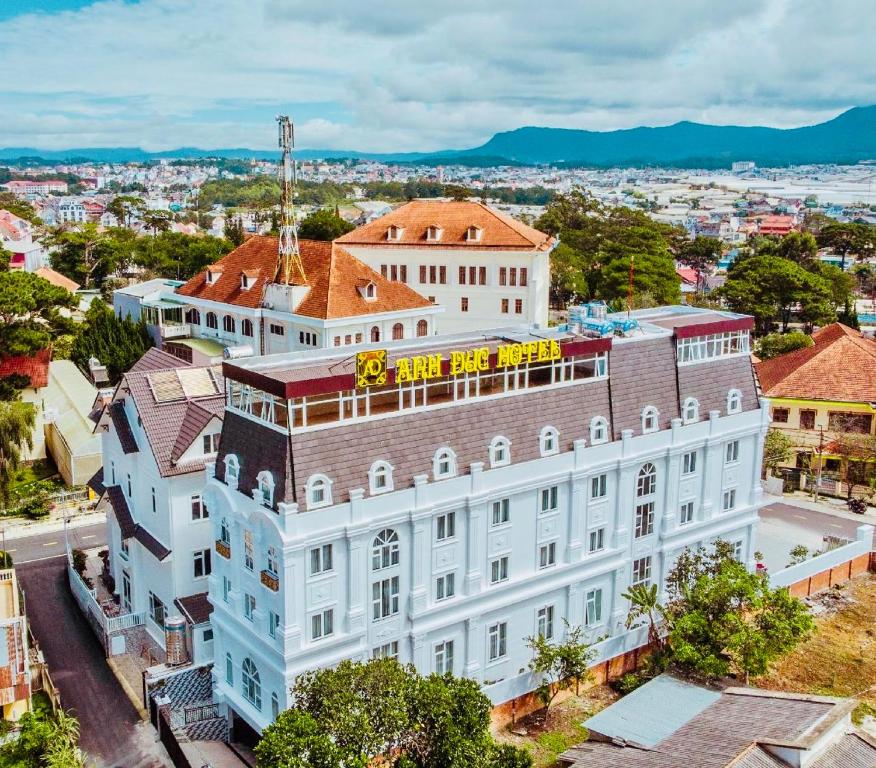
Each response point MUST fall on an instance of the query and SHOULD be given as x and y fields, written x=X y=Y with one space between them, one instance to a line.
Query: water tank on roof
x=175 y=640
x=235 y=353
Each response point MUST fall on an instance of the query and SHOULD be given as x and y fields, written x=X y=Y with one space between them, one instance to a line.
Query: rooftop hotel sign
x=371 y=366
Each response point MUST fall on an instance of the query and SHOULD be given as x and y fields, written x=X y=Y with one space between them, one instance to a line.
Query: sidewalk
x=19 y=527
x=825 y=505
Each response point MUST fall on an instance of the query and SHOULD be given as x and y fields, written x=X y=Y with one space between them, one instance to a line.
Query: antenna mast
x=289 y=254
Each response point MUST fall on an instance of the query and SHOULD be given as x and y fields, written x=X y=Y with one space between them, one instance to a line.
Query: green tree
x=5 y=259
x=856 y=240
x=44 y=742
x=646 y=253
x=29 y=312
x=234 y=231
x=799 y=247
x=324 y=224
x=117 y=343
x=568 y=282
x=775 y=344
x=84 y=254
x=294 y=740
x=559 y=664
x=16 y=431
x=126 y=208
x=777 y=449
x=702 y=254
x=177 y=255
x=645 y=604
x=723 y=618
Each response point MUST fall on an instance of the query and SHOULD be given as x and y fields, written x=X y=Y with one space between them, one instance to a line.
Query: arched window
x=380 y=477
x=228 y=324
x=398 y=332
x=275 y=706
x=384 y=550
x=549 y=441
x=598 y=430
x=319 y=492
x=444 y=463
x=265 y=488
x=422 y=328
x=232 y=469
x=500 y=451
x=252 y=684
x=212 y=322
x=734 y=401
x=193 y=316
x=646 y=483
x=650 y=419
x=375 y=333
x=246 y=327
x=690 y=411
x=225 y=532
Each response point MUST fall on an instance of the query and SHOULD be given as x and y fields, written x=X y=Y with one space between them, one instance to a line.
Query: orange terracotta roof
x=56 y=278
x=841 y=365
x=498 y=230
x=35 y=367
x=333 y=274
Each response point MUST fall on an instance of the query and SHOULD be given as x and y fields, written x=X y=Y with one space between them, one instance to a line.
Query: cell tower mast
x=289 y=254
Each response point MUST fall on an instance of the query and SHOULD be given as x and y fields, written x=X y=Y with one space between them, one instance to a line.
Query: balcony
x=176 y=331
x=270 y=581
x=223 y=549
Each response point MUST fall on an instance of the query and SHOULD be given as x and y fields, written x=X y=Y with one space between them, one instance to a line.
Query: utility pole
x=820 y=461
x=289 y=254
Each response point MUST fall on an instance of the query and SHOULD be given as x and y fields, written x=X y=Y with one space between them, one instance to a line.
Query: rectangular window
x=503 y=276
x=644 y=519
x=593 y=607
x=807 y=419
x=247 y=550
x=856 y=423
x=403 y=272
x=686 y=514
x=229 y=669
x=201 y=563
x=199 y=508
x=547 y=555
x=433 y=274
x=249 y=604
x=445 y=526
x=273 y=623
x=444 y=658
x=732 y=453
x=689 y=463
x=322 y=624
x=499 y=570
x=383 y=269
x=211 y=442
x=729 y=500
x=226 y=589
x=321 y=559
x=523 y=277
x=505 y=306
x=462 y=275
x=498 y=634
x=597 y=540
x=472 y=275
x=482 y=275
x=501 y=512
x=384 y=598
x=642 y=570
x=277 y=330
x=156 y=609
x=385 y=651
x=780 y=415
x=518 y=306
x=463 y=304
x=393 y=273
x=737 y=550
x=512 y=276
x=442 y=273
x=129 y=485
x=549 y=499
x=445 y=586
x=545 y=621
x=598 y=486
x=423 y=273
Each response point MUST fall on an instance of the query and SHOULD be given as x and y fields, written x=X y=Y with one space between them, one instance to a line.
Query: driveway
x=111 y=731
x=784 y=526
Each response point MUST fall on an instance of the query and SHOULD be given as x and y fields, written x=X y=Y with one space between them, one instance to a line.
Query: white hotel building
x=444 y=520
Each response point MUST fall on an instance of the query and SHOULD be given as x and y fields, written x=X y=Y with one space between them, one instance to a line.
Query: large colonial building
x=486 y=268
x=440 y=500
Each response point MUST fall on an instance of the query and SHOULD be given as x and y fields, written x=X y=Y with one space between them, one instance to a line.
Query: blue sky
x=398 y=75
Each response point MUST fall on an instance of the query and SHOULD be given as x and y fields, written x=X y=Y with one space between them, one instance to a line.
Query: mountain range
x=848 y=138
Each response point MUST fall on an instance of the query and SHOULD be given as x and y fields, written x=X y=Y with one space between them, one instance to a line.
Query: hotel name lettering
x=371 y=366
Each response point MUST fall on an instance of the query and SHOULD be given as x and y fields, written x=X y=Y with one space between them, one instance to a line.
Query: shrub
x=79 y=559
x=628 y=683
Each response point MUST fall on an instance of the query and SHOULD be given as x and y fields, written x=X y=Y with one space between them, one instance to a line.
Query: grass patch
x=839 y=659
x=37 y=470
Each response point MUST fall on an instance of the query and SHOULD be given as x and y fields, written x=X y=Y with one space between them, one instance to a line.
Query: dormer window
x=232 y=469
x=598 y=430
x=368 y=290
x=394 y=232
x=500 y=452
x=650 y=419
x=734 y=401
x=433 y=233
x=444 y=463
x=473 y=234
x=248 y=278
x=549 y=441
x=380 y=477
x=319 y=492
x=690 y=411
x=213 y=275
x=265 y=490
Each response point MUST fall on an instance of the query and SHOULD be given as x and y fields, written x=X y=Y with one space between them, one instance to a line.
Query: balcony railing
x=270 y=581
x=223 y=549
x=175 y=331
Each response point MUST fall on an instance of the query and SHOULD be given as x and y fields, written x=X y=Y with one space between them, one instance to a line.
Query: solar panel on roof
x=165 y=386
x=197 y=382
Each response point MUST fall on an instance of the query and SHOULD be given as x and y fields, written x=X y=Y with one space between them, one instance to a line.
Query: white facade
x=478 y=289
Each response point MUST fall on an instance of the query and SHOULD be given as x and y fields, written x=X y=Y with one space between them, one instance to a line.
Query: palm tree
x=16 y=430
x=644 y=604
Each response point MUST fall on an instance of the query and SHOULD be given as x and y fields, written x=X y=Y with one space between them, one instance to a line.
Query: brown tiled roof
x=131 y=529
x=196 y=608
x=156 y=360
x=196 y=418
x=841 y=365
x=123 y=428
x=333 y=276
x=498 y=230
x=153 y=545
x=57 y=279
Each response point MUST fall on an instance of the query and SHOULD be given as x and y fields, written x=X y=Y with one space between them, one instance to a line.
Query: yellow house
x=824 y=398
x=14 y=662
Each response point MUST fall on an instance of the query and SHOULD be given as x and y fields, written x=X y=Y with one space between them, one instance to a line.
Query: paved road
x=111 y=730
x=783 y=526
x=47 y=545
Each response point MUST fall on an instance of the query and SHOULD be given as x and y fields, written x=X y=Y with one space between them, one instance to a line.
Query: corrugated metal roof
x=643 y=717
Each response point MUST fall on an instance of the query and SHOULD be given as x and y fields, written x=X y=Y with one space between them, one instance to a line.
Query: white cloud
x=397 y=75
